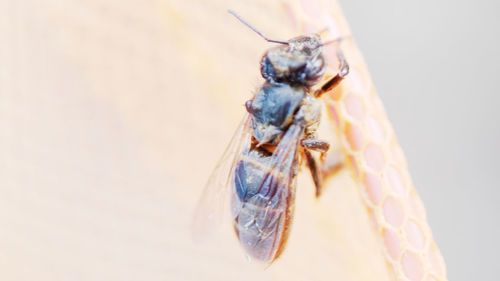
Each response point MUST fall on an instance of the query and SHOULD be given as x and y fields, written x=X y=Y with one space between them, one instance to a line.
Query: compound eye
x=299 y=73
x=267 y=69
x=315 y=70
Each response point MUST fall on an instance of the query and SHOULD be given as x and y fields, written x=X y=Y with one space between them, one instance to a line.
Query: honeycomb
x=373 y=154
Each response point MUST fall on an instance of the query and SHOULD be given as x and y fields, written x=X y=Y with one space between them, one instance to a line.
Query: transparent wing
x=210 y=209
x=262 y=198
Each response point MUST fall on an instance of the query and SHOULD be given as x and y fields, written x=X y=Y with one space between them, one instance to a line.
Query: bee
x=260 y=166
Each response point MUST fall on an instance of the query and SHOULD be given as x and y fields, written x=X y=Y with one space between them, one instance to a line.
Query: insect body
x=280 y=127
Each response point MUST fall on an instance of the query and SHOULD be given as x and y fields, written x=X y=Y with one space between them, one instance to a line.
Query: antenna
x=255 y=30
x=336 y=40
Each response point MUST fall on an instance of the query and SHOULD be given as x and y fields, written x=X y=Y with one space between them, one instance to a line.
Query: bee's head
x=301 y=61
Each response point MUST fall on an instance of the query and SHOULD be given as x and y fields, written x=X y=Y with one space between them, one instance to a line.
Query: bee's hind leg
x=312 y=164
x=316 y=145
x=315 y=172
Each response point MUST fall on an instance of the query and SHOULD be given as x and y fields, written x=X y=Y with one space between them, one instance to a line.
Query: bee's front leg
x=335 y=81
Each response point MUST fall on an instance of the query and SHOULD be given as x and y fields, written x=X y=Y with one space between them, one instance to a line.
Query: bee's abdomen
x=261 y=206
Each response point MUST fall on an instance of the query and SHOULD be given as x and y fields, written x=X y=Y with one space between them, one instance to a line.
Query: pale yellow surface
x=112 y=116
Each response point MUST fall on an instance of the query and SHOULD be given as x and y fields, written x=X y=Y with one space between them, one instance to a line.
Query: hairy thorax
x=277 y=105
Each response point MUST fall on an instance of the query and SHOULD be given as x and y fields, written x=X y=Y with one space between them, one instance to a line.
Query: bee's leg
x=312 y=164
x=326 y=166
x=315 y=172
x=334 y=81
x=316 y=145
